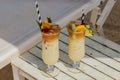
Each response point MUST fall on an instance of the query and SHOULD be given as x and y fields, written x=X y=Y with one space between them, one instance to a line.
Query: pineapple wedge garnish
x=88 y=31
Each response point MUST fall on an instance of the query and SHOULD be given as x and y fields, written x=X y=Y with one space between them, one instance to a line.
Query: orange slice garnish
x=46 y=25
x=80 y=28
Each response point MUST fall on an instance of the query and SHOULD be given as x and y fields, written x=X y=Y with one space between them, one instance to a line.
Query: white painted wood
x=36 y=51
x=100 y=31
x=100 y=66
x=94 y=16
x=104 y=59
x=26 y=75
x=107 y=51
x=29 y=69
x=7 y=53
x=78 y=76
x=40 y=65
x=105 y=13
x=16 y=74
x=64 y=57
x=107 y=42
x=96 y=74
x=87 y=69
x=93 y=66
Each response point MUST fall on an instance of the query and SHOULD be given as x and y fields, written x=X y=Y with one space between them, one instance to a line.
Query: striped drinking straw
x=38 y=12
x=83 y=17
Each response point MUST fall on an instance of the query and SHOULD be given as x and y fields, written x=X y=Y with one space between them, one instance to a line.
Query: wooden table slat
x=108 y=43
x=36 y=52
x=38 y=63
x=104 y=59
x=64 y=57
x=101 y=61
x=92 y=49
x=96 y=62
x=31 y=70
x=105 y=50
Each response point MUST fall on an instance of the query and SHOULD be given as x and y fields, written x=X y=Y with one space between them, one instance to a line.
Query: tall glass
x=76 y=48
x=50 y=47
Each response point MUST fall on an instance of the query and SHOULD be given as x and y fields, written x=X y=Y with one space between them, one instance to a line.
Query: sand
x=112 y=24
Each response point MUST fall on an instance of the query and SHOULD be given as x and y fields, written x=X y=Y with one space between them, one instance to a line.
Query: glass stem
x=76 y=64
x=50 y=69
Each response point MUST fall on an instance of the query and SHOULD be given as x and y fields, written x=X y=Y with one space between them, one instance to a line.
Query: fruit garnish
x=73 y=27
x=46 y=25
x=40 y=25
x=89 y=31
x=88 y=26
x=80 y=28
x=48 y=20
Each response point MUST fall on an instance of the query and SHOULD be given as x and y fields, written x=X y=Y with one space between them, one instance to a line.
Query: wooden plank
x=25 y=75
x=38 y=63
x=107 y=43
x=101 y=66
x=94 y=16
x=29 y=69
x=105 y=13
x=106 y=50
x=98 y=51
x=78 y=76
x=104 y=59
x=96 y=74
x=16 y=74
x=82 y=76
x=33 y=61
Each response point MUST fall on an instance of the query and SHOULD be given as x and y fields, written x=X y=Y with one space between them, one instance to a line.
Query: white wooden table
x=101 y=61
x=18 y=28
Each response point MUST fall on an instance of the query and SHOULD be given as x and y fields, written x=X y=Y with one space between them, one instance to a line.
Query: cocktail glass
x=50 y=47
x=76 y=47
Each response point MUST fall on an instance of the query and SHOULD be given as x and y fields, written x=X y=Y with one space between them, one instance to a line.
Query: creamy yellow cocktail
x=50 y=47
x=76 y=48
